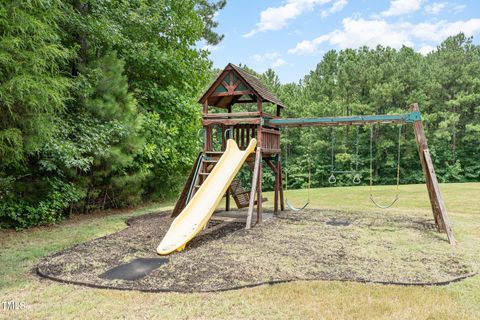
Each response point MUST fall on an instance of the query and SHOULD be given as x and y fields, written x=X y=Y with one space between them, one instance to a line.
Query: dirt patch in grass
x=313 y=244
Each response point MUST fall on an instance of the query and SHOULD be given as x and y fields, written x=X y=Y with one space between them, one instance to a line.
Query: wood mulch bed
x=313 y=244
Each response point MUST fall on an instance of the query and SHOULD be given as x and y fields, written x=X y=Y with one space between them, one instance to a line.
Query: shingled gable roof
x=249 y=80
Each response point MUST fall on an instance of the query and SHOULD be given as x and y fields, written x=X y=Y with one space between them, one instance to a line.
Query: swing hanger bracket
x=413 y=117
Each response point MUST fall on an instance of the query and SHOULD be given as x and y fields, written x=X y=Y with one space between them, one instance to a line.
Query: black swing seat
x=384 y=206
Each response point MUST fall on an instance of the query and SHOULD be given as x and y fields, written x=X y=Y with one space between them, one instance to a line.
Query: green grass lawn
x=303 y=300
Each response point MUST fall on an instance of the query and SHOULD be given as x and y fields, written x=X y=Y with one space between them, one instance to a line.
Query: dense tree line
x=98 y=106
x=98 y=102
x=445 y=84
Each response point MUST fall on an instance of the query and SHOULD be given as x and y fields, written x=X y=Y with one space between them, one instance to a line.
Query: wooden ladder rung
x=210 y=161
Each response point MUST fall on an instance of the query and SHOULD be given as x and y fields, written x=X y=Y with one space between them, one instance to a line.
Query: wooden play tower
x=233 y=87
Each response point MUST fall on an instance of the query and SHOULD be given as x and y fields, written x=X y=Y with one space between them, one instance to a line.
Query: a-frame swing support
x=438 y=206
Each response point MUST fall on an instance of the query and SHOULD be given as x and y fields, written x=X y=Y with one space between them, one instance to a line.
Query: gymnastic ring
x=332 y=179
x=357 y=179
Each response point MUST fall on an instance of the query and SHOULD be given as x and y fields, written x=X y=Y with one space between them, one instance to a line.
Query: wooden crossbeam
x=236 y=93
x=231 y=115
x=231 y=122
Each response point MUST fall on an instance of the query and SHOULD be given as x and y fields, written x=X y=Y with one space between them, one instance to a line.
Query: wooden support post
x=259 y=105
x=275 y=202
x=422 y=145
x=260 y=170
x=276 y=188
x=253 y=191
x=227 y=200
x=259 y=191
x=224 y=140
x=206 y=128
x=436 y=200
x=205 y=107
x=209 y=138
x=280 y=184
x=251 y=165
x=439 y=203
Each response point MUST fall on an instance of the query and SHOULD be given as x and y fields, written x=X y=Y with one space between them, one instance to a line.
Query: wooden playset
x=234 y=86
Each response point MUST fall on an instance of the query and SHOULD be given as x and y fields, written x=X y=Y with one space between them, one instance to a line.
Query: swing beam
x=345 y=121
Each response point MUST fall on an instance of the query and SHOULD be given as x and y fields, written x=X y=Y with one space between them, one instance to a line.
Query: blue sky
x=290 y=36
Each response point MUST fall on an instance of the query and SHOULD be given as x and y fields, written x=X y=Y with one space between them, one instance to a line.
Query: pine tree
x=32 y=89
x=102 y=135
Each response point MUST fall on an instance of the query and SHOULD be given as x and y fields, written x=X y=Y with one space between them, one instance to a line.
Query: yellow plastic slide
x=200 y=208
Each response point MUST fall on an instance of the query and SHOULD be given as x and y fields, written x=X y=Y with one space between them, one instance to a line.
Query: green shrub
x=20 y=214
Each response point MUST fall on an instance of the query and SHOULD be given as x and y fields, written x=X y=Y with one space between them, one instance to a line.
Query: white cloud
x=336 y=7
x=308 y=47
x=435 y=8
x=272 y=59
x=356 y=33
x=459 y=8
x=278 y=63
x=401 y=7
x=359 y=32
x=258 y=58
x=275 y=18
x=438 y=31
x=426 y=49
x=269 y=56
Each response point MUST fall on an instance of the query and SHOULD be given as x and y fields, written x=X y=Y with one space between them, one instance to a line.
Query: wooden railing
x=270 y=140
x=243 y=133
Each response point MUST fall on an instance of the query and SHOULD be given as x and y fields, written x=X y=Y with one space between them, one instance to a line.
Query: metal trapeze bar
x=349 y=171
x=351 y=120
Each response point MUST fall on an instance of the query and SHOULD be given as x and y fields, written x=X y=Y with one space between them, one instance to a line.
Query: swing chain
x=332 y=179
x=398 y=170
x=286 y=176
x=357 y=177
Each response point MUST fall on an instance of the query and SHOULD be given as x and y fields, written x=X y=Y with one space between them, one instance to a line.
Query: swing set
x=234 y=86
x=357 y=178
x=414 y=118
